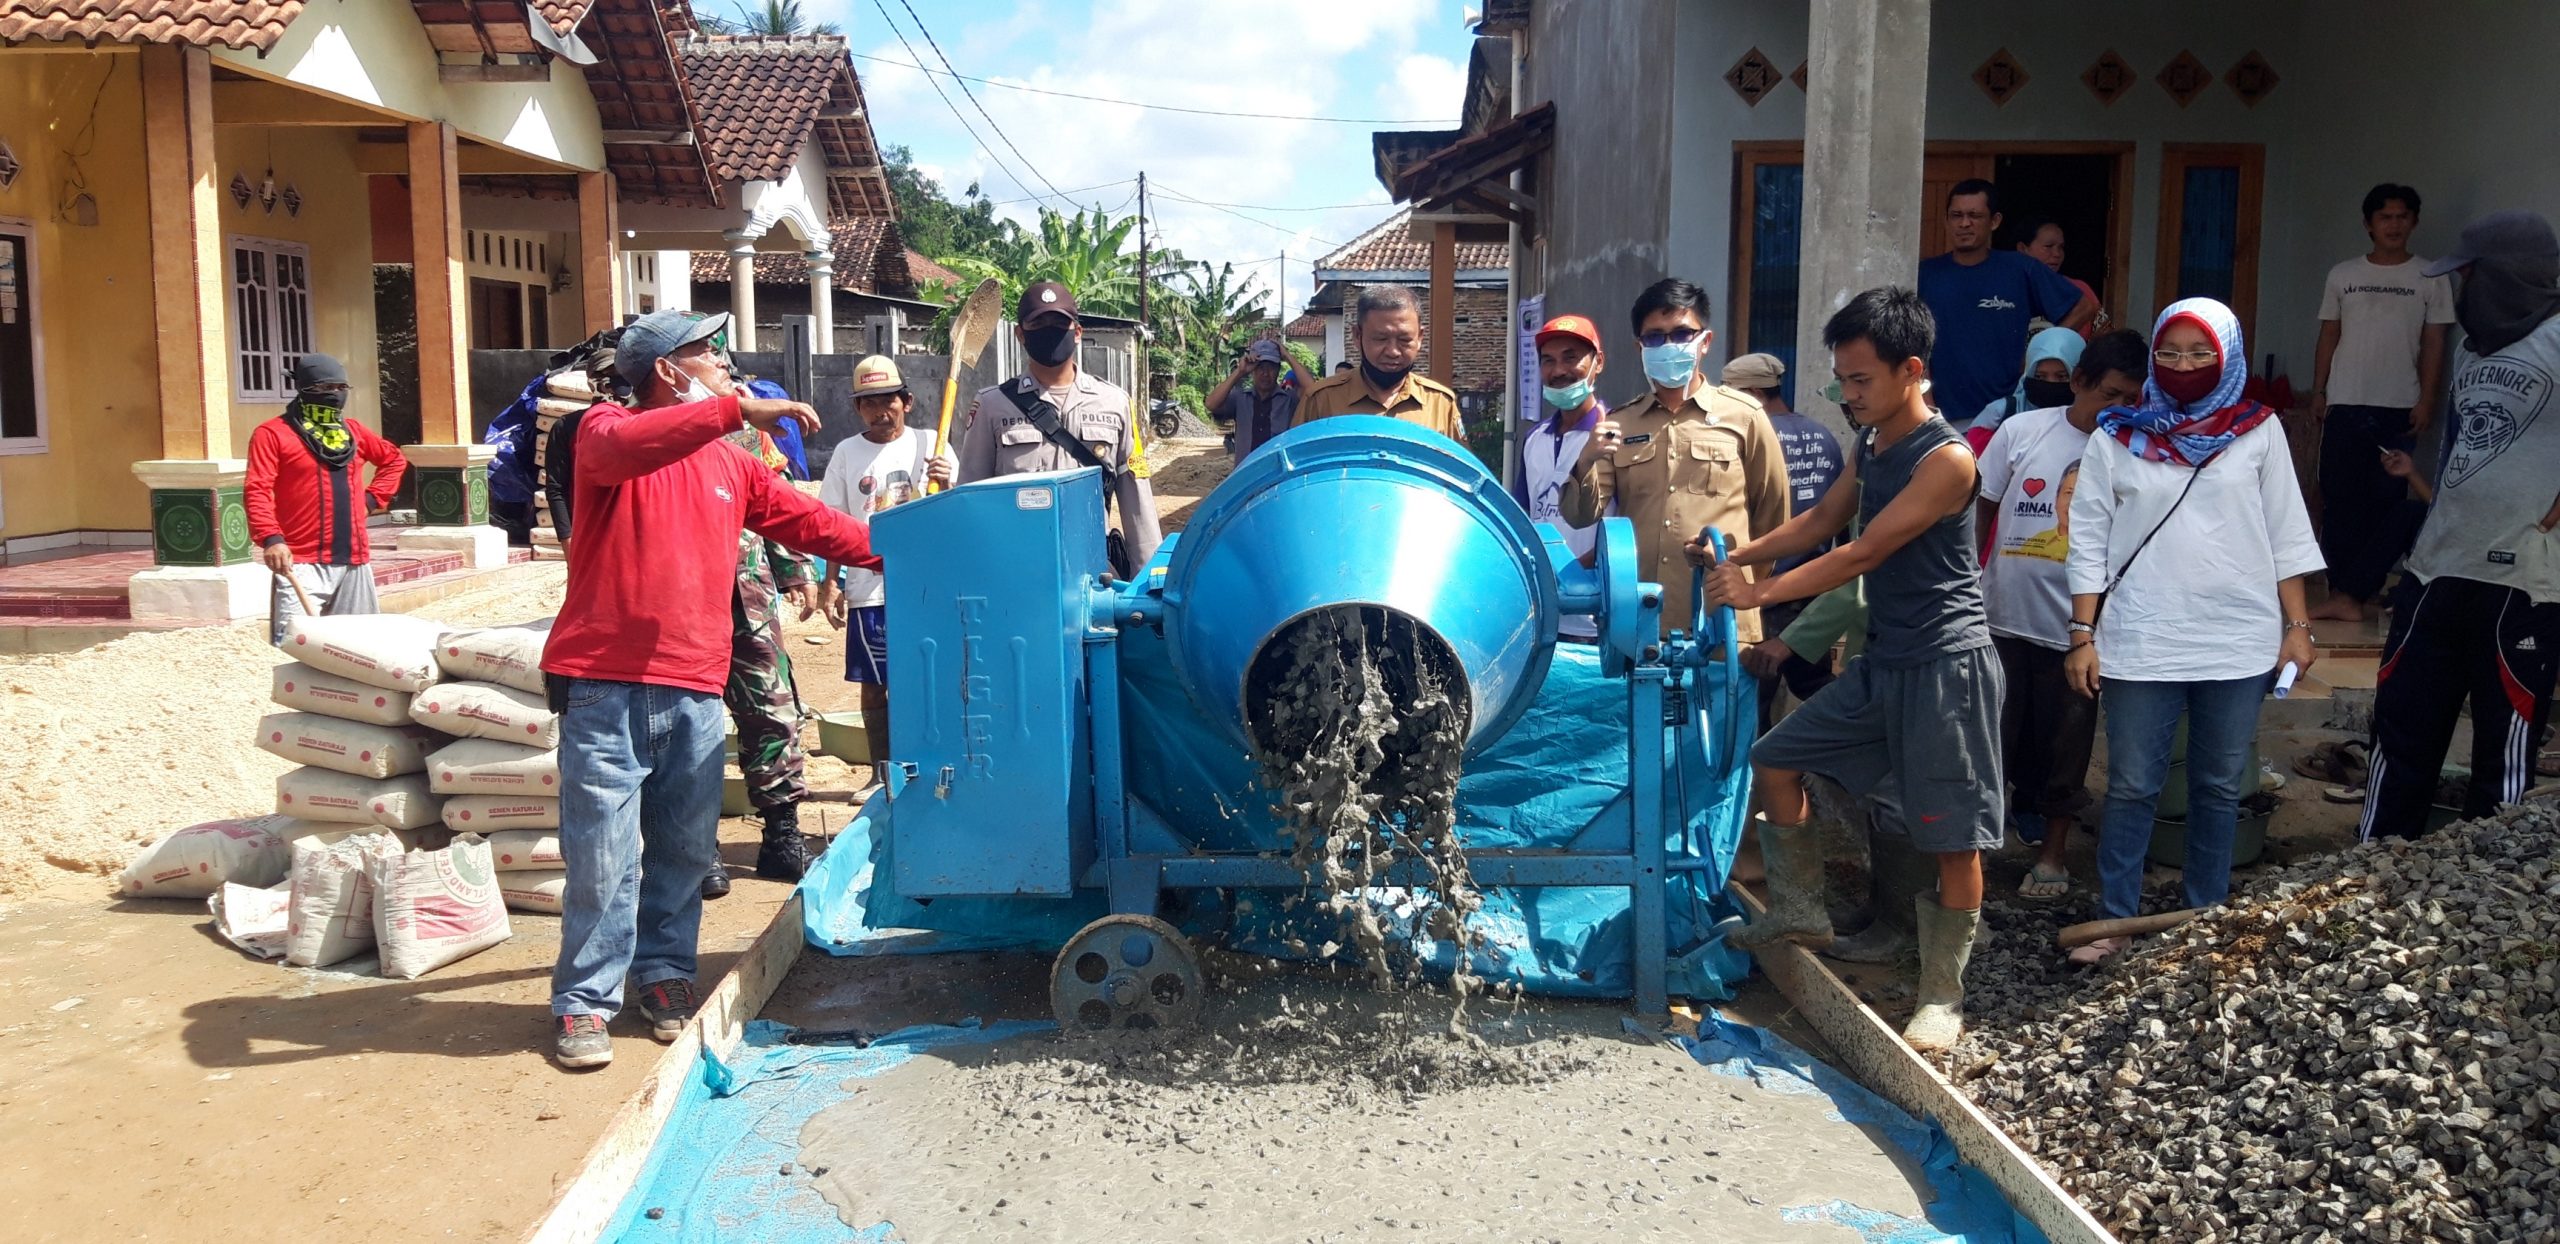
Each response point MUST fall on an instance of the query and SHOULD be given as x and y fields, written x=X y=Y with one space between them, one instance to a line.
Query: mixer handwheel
x=1125 y=973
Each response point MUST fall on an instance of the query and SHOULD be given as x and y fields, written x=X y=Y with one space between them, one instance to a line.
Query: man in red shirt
x=637 y=659
x=306 y=501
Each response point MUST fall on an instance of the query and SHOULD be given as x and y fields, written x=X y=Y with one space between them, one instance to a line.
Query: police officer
x=1686 y=455
x=1057 y=418
x=1388 y=327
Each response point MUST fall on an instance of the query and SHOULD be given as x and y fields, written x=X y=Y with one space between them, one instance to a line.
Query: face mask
x=1570 y=397
x=2043 y=393
x=317 y=400
x=692 y=389
x=1049 y=345
x=1383 y=381
x=2185 y=387
x=1671 y=365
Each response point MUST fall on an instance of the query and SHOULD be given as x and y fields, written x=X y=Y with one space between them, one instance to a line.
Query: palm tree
x=774 y=17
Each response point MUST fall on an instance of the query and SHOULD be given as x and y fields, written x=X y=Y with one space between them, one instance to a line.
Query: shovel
x=299 y=594
x=971 y=329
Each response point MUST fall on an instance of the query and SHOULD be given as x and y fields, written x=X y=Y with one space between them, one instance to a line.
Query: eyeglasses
x=1676 y=337
x=2193 y=358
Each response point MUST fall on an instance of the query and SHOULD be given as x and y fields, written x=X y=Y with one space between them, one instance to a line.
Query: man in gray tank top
x=1912 y=724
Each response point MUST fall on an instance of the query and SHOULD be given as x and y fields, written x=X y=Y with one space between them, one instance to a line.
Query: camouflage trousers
x=763 y=698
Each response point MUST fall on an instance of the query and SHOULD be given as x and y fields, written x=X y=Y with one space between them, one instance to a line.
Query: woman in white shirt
x=2188 y=525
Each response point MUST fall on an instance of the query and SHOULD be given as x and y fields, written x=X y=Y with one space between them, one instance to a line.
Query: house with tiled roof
x=196 y=193
x=1396 y=251
x=873 y=276
x=782 y=126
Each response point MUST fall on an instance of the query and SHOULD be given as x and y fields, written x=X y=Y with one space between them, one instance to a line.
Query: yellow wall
x=336 y=223
x=93 y=293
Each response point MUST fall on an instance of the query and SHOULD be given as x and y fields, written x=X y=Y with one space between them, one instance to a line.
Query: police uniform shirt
x=1000 y=440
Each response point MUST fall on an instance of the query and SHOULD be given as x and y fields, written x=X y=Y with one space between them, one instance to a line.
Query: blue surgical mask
x=1671 y=365
x=1570 y=397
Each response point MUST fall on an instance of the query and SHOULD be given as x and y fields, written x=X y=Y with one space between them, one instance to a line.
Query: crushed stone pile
x=2362 y=1047
x=1366 y=745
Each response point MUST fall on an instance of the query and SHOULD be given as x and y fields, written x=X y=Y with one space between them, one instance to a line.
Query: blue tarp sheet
x=715 y=1174
x=1538 y=786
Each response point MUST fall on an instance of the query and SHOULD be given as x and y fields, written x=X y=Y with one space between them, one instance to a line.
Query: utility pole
x=1138 y=365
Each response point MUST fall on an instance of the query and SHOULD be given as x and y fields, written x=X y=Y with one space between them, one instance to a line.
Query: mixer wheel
x=1125 y=973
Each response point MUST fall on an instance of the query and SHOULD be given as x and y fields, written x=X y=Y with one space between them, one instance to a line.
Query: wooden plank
x=585 y=1206
x=599 y=275
x=1877 y=1058
x=188 y=290
x=1444 y=301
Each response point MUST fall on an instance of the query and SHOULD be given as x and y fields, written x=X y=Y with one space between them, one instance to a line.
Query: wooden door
x=2210 y=196
x=1939 y=173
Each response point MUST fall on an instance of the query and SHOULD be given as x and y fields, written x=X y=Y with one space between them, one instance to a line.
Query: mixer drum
x=1380 y=526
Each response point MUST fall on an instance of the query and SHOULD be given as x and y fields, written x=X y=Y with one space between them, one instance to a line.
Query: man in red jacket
x=637 y=659
x=306 y=501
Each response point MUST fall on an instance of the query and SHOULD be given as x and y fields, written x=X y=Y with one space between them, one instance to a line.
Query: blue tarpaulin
x=1562 y=766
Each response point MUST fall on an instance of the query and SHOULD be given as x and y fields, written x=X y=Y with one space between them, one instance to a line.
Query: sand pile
x=1362 y=746
x=121 y=743
x=2366 y=1046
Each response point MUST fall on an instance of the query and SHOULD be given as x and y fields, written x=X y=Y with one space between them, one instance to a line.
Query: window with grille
x=22 y=424
x=270 y=316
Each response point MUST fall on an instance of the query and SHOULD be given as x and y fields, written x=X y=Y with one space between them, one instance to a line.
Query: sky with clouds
x=1403 y=61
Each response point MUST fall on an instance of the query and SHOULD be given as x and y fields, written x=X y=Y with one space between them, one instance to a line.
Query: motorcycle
x=1164 y=417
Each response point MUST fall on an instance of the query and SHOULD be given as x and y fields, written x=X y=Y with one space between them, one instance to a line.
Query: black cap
x=312 y=371
x=1044 y=298
x=2500 y=235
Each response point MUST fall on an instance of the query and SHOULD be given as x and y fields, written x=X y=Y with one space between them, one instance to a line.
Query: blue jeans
x=2142 y=718
x=639 y=828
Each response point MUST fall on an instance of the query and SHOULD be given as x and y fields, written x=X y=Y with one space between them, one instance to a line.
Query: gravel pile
x=2363 y=1047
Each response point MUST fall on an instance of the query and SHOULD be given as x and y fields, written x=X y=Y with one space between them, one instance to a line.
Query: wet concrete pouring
x=1351 y=1100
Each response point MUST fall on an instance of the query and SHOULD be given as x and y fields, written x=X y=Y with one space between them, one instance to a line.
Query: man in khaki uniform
x=1686 y=455
x=1003 y=435
x=1388 y=326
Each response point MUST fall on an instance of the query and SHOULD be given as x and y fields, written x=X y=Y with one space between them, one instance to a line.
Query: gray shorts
x=335 y=590
x=1922 y=742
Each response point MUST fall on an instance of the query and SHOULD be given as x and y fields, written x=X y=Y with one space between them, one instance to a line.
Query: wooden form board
x=1877 y=1058
x=584 y=1207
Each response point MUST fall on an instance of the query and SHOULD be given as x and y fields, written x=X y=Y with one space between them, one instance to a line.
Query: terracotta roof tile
x=1309 y=325
x=926 y=271
x=871 y=258
x=1390 y=247
x=759 y=97
x=255 y=24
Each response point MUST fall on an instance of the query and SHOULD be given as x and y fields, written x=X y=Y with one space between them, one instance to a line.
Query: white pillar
x=822 y=301
x=742 y=294
x=1864 y=132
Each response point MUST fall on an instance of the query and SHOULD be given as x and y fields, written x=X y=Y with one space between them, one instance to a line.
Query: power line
x=1131 y=103
x=1241 y=216
x=962 y=117
x=1079 y=190
x=922 y=29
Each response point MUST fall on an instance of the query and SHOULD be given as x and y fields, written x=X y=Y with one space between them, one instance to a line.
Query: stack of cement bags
x=353 y=683
x=502 y=776
x=564 y=393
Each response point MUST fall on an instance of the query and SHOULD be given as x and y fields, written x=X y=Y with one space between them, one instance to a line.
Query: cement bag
x=537 y=891
x=196 y=861
x=489 y=813
x=300 y=687
x=521 y=850
x=250 y=918
x=489 y=767
x=346 y=746
x=431 y=908
x=316 y=794
x=486 y=710
x=392 y=651
x=510 y=656
x=330 y=916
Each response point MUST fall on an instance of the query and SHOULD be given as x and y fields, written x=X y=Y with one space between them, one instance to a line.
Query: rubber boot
x=786 y=853
x=1946 y=946
x=1797 y=911
x=715 y=884
x=1896 y=875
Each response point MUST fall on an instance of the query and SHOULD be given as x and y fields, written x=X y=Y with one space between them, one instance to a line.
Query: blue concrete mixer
x=1012 y=759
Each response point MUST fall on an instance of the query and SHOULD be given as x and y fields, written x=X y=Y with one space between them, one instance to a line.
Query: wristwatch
x=2086 y=628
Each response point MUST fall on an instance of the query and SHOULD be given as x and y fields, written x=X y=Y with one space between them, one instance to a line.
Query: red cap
x=1575 y=326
